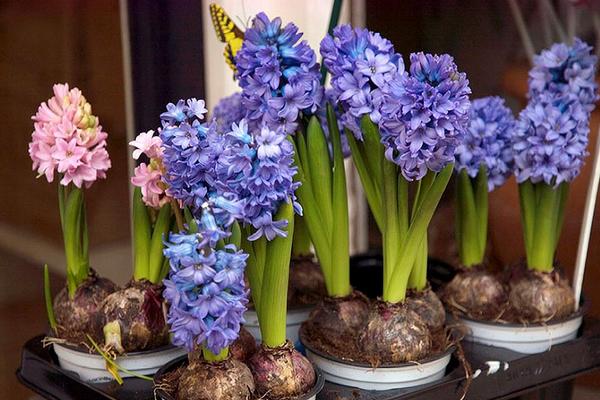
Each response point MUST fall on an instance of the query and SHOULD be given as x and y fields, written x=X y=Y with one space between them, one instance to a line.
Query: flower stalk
x=471 y=217
x=542 y=214
x=148 y=258
x=323 y=197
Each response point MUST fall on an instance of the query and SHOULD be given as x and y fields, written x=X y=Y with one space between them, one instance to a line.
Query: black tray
x=40 y=372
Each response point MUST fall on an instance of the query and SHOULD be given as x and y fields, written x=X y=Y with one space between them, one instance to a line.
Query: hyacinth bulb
x=281 y=372
x=75 y=316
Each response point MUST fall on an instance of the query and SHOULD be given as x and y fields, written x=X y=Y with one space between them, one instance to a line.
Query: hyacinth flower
x=404 y=129
x=69 y=142
x=484 y=161
x=207 y=298
x=255 y=172
x=131 y=319
x=549 y=149
x=281 y=88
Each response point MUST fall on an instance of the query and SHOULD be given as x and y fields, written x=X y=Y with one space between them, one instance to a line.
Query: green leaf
x=302 y=244
x=273 y=307
x=560 y=215
x=372 y=194
x=72 y=239
x=544 y=240
x=161 y=228
x=373 y=150
x=395 y=290
x=48 y=299
x=190 y=220
x=319 y=233
x=391 y=232
x=141 y=237
x=469 y=249
x=320 y=169
x=340 y=244
x=527 y=200
x=481 y=206
x=236 y=235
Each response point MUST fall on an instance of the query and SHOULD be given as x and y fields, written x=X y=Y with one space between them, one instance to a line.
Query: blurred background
x=132 y=57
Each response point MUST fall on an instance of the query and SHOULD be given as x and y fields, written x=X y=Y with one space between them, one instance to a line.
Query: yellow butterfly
x=227 y=32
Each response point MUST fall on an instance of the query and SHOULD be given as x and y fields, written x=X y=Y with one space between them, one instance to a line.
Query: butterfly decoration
x=227 y=32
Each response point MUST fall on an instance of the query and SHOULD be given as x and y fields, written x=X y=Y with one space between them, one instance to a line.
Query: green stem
x=155 y=255
x=392 y=232
x=527 y=201
x=212 y=357
x=544 y=240
x=77 y=267
x=481 y=206
x=395 y=289
x=340 y=243
x=141 y=236
x=417 y=279
x=320 y=234
x=372 y=193
x=560 y=215
x=48 y=299
x=273 y=306
x=178 y=216
x=302 y=243
x=469 y=236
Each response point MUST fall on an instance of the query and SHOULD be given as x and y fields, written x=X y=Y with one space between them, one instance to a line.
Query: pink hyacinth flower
x=68 y=139
x=147 y=143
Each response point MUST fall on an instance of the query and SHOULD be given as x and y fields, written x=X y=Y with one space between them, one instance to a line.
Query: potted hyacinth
x=68 y=140
x=207 y=298
x=483 y=163
x=130 y=321
x=255 y=171
x=535 y=304
x=402 y=128
x=282 y=97
x=246 y=179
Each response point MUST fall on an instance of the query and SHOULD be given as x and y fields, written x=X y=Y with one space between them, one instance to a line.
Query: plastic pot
x=92 y=367
x=527 y=339
x=364 y=376
x=180 y=361
x=294 y=319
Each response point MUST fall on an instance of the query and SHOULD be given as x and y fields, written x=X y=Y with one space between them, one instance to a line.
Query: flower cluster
x=488 y=141
x=148 y=176
x=424 y=114
x=190 y=149
x=552 y=133
x=227 y=111
x=255 y=171
x=68 y=139
x=550 y=142
x=205 y=289
x=279 y=77
x=361 y=64
x=566 y=72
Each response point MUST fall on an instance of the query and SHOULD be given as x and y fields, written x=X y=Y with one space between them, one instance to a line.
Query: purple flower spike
x=189 y=153
x=488 y=141
x=552 y=133
x=565 y=71
x=255 y=171
x=279 y=76
x=205 y=289
x=424 y=114
x=229 y=110
x=361 y=64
